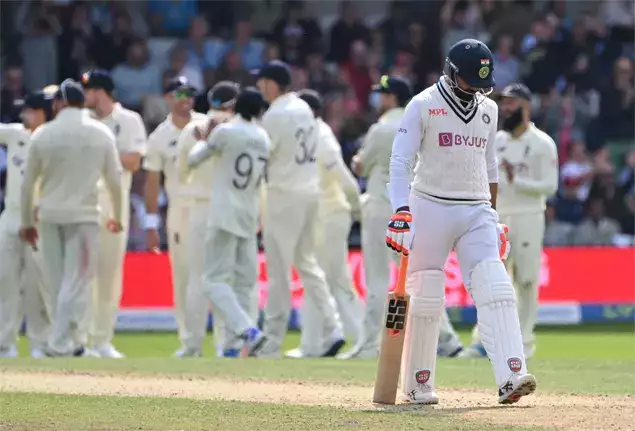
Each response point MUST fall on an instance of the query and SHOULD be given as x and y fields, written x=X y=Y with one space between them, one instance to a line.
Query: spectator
x=426 y=59
x=76 y=43
x=455 y=20
x=320 y=79
x=596 y=228
x=357 y=73
x=249 y=49
x=393 y=30
x=557 y=232
x=296 y=34
x=171 y=17
x=12 y=89
x=180 y=66
x=577 y=171
x=203 y=52
x=507 y=65
x=620 y=18
x=231 y=69
x=201 y=104
x=39 y=52
x=137 y=77
x=617 y=106
x=272 y=52
x=345 y=31
x=568 y=207
x=110 y=48
x=541 y=66
x=613 y=197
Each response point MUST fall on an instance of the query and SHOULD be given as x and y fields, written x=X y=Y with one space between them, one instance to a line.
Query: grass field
x=586 y=381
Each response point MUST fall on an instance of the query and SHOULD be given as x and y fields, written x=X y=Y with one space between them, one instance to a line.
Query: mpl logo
x=447 y=139
x=437 y=112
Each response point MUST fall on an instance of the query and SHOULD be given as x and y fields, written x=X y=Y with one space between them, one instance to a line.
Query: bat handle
x=401 y=278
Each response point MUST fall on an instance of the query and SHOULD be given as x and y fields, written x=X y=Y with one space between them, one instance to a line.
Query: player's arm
x=271 y=124
x=492 y=161
x=32 y=174
x=184 y=145
x=153 y=164
x=112 y=171
x=545 y=174
x=135 y=146
x=366 y=158
x=203 y=150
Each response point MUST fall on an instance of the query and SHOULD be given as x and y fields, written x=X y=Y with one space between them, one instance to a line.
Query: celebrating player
x=529 y=159
x=451 y=127
x=372 y=162
x=162 y=156
x=130 y=134
x=339 y=198
x=195 y=192
x=20 y=267
x=290 y=214
x=68 y=156
x=231 y=256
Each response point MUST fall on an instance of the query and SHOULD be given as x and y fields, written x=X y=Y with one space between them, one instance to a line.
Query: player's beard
x=513 y=120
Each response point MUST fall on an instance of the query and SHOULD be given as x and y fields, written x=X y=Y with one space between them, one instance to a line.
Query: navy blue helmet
x=473 y=62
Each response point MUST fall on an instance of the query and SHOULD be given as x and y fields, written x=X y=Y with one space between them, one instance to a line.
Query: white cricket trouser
x=22 y=291
x=69 y=256
x=229 y=281
x=332 y=253
x=471 y=230
x=289 y=225
x=375 y=218
x=109 y=281
x=525 y=236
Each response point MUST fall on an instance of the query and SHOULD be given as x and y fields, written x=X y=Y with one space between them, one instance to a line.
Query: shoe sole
x=524 y=389
x=334 y=349
x=430 y=402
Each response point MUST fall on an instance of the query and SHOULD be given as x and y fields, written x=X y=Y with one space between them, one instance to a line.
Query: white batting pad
x=422 y=331
x=498 y=324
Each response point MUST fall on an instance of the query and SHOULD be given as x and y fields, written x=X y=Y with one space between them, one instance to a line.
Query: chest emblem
x=486 y=119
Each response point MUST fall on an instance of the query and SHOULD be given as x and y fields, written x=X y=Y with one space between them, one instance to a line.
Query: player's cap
x=312 y=98
x=517 y=90
x=250 y=103
x=70 y=91
x=276 y=71
x=36 y=100
x=179 y=83
x=473 y=62
x=98 y=79
x=223 y=94
x=396 y=85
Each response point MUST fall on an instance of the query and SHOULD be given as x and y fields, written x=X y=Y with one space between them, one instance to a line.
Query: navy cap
x=36 y=100
x=223 y=94
x=396 y=85
x=312 y=98
x=178 y=83
x=277 y=71
x=517 y=90
x=70 y=91
x=98 y=79
x=250 y=103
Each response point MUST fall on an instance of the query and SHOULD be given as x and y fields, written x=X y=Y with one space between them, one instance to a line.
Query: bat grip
x=401 y=278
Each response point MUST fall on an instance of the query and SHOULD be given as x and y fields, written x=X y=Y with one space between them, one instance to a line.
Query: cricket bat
x=392 y=340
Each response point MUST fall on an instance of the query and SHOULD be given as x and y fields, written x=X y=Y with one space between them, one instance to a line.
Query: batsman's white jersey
x=241 y=151
x=22 y=292
x=194 y=195
x=131 y=137
x=68 y=156
x=374 y=157
x=449 y=201
x=521 y=205
x=163 y=156
x=290 y=218
x=339 y=194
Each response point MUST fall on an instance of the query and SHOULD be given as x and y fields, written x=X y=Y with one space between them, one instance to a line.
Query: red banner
x=582 y=275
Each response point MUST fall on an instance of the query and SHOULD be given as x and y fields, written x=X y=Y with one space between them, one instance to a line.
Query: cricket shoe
x=296 y=353
x=474 y=351
x=79 y=352
x=188 y=352
x=449 y=348
x=333 y=346
x=8 y=352
x=516 y=387
x=106 y=351
x=360 y=353
x=37 y=353
x=422 y=394
x=254 y=341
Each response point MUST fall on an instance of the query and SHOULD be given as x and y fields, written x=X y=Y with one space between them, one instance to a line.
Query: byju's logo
x=447 y=139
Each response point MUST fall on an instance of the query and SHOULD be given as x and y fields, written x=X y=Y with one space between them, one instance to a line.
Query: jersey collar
x=466 y=115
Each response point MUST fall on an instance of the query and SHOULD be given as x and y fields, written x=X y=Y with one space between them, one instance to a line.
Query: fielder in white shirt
x=372 y=162
x=195 y=197
x=68 y=156
x=231 y=256
x=339 y=199
x=451 y=127
x=22 y=291
x=529 y=160
x=291 y=211
x=163 y=157
x=130 y=133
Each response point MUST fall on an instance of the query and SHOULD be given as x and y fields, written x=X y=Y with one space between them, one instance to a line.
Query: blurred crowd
x=575 y=56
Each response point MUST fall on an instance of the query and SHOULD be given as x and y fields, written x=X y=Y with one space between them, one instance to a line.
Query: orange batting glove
x=398 y=233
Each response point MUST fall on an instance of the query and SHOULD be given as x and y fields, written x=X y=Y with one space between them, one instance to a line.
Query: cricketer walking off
x=451 y=128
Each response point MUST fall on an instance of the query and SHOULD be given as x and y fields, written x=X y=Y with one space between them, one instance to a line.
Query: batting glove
x=504 y=247
x=398 y=233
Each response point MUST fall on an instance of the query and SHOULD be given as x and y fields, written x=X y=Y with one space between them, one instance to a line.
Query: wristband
x=151 y=221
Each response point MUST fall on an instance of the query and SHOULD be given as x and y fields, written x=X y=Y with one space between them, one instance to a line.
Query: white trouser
x=69 y=256
x=332 y=253
x=108 y=284
x=376 y=214
x=22 y=290
x=525 y=236
x=289 y=235
x=229 y=281
x=471 y=230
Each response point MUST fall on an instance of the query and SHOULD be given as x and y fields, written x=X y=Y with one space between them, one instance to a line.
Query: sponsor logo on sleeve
x=402 y=130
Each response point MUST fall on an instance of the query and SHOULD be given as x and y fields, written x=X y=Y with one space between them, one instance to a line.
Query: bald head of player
x=469 y=71
x=250 y=104
x=394 y=92
x=274 y=80
x=180 y=96
x=99 y=88
x=515 y=108
x=222 y=96
x=314 y=100
x=70 y=94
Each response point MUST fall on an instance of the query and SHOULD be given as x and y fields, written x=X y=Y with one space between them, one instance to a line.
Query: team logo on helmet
x=483 y=72
x=422 y=376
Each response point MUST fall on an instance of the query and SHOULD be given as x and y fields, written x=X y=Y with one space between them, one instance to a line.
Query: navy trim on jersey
x=466 y=115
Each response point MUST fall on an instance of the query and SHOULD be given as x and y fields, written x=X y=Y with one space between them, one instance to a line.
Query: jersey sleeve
x=136 y=138
x=203 y=150
x=153 y=160
x=271 y=125
x=490 y=151
x=112 y=171
x=404 y=152
x=544 y=180
x=31 y=175
x=368 y=153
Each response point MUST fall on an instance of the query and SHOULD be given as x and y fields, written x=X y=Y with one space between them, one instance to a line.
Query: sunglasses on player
x=182 y=94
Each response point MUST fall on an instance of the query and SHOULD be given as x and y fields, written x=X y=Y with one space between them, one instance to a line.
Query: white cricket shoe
x=106 y=351
x=9 y=352
x=420 y=395
x=516 y=387
x=296 y=353
x=474 y=351
x=360 y=353
x=37 y=353
x=188 y=352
